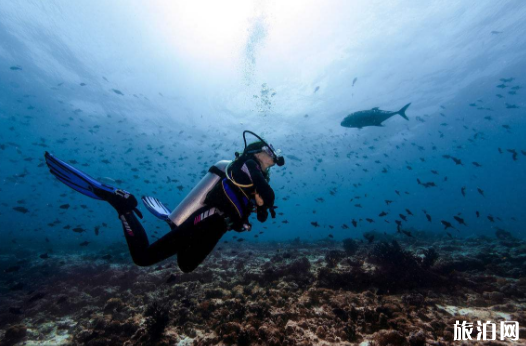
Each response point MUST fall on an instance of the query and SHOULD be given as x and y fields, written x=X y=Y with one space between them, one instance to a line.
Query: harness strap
x=217 y=172
x=224 y=175
x=238 y=205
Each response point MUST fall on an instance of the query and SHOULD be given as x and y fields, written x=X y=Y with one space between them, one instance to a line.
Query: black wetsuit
x=195 y=238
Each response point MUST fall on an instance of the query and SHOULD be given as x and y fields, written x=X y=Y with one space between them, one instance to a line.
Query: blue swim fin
x=156 y=207
x=121 y=200
x=76 y=179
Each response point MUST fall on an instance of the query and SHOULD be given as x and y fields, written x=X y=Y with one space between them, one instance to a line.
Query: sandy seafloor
x=288 y=293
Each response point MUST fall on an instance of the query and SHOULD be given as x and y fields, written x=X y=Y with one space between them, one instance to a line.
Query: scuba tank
x=195 y=199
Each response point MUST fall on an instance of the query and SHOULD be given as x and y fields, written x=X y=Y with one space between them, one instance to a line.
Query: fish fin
x=402 y=111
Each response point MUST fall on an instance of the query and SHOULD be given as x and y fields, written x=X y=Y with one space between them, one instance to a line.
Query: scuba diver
x=223 y=200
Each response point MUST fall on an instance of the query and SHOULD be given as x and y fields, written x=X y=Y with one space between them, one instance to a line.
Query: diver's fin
x=156 y=207
x=76 y=179
x=121 y=200
x=402 y=111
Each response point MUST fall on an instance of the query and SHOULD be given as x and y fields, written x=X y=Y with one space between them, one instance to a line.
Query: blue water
x=151 y=94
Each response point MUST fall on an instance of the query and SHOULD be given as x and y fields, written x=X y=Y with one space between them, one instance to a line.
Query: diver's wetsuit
x=195 y=238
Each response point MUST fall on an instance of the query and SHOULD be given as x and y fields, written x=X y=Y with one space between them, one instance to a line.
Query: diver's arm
x=264 y=193
x=262 y=187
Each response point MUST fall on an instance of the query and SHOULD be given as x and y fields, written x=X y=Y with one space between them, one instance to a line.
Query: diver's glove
x=273 y=211
x=262 y=214
x=243 y=227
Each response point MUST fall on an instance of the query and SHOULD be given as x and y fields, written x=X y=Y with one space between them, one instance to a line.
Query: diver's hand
x=273 y=211
x=259 y=200
x=244 y=227
x=262 y=214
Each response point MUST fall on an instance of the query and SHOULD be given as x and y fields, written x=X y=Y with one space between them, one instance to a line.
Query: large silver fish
x=372 y=117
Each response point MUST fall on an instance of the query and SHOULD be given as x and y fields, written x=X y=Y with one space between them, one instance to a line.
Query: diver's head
x=265 y=158
x=265 y=154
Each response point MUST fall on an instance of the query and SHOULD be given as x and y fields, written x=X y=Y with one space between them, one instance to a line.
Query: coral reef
x=384 y=293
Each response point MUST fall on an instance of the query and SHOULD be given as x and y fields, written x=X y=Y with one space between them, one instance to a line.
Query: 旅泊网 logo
x=486 y=330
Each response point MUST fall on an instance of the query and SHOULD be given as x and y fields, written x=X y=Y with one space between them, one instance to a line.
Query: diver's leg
x=204 y=237
x=135 y=237
x=192 y=241
x=163 y=248
x=126 y=206
x=171 y=243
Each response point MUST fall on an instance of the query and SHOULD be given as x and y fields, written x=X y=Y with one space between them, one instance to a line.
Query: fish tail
x=402 y=111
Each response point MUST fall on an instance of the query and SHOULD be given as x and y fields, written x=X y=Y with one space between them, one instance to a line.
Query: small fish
x=118 y=92
x=449 y=235
x=106 y=257
x=457 y=161
x=460 y=220
x=476 y=164
x=403 y=217
x=446 y=224
x=398 y=225
x=426 y=185
x=388 y=202
x=477 y=213
x=330 y=235
x=240 y=239
x=84 y=243
x=21 y=210
x=97 y=228
x=78 y=230
x=369 y=237
x=12 y=269
x=409 y=212
x=407 y=233
x=15 y=68
x=463 y=191
x=491 y=218
x=480 y=191
x=44 y=256
x=354 y=223
x=354 y=80
x=64 y=206
x=315 y=224
x=514 y=154
x=369 y=220
x=383 y=213
x=316 y=89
